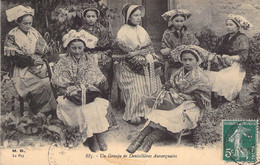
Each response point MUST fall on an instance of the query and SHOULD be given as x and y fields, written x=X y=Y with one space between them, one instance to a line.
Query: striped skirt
x=134 y=88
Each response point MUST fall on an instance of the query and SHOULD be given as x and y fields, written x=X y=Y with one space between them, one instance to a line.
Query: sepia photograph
x=130 y=82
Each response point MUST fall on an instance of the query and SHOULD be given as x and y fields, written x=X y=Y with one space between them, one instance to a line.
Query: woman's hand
x=142 y=52
x=185 y=96
x=176 y=98
x=235 y=58
x=166 y=51
x=172 y=90
x=105 y=59
x=38 y=61
x=228 y=58
x=211 y=56
x=72 y=90
x=167 y=86
x=131 y=54
x=231 y=58
x=225 y=56
x=138 y=60
x=73 y=93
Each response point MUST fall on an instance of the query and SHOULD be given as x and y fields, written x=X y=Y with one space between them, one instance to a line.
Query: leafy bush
x=209 y=129
x=255 y=92
x=208 y=39
x=253 y=62
x=14 y=127
x=48 y=128
x=56 y=19
x=8 y=93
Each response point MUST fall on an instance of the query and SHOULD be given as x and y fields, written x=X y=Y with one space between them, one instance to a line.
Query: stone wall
x=214 y=13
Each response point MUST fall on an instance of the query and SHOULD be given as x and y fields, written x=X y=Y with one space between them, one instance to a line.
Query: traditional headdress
x=127 y=9
x=89 y=40
x=91 y=6
x=201 y=53
x=14 y=13
x=169 y=14
x=240 y=21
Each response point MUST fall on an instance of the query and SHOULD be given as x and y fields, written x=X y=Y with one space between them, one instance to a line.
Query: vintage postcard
x=130 y=82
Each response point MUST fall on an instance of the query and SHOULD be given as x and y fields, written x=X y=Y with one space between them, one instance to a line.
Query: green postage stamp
x=240 y=140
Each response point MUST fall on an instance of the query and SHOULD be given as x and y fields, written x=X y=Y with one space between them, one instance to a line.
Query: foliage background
x=53 y=18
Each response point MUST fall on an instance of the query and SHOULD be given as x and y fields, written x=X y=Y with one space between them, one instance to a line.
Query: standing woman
x=138 y=69
x=26 y=47
x=175 y=35
x=233 y=47
x=82 y=81
x=102 y=49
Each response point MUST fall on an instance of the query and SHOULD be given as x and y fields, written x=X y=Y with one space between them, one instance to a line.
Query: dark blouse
x=104 y=39
x=171 y=39
x=236 y=45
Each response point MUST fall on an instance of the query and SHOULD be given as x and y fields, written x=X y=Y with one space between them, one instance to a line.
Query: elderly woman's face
x=91 y=17
x=76 y=48
x=136 y=17
x=177 y=22
x=189 y=61
x=231 y=27
x=26 y=23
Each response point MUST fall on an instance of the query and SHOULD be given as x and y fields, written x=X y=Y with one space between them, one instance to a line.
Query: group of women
x=82 y=74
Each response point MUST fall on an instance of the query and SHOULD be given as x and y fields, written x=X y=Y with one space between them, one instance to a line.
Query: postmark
x=240 y=140
x=58 y=155
x=51 y=156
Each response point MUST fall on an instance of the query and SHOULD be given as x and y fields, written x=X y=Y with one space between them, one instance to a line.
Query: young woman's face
x=91 y=17
x=231 y=27
x=189 y=61
x=26 y=23
x=178 y=22
x=76 y=48
x=136 y=17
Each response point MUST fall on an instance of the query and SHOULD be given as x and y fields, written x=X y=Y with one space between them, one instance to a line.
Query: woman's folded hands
x=141 y=52
x=185 y=96
x=166 y=52
x=167 y=86
x=38 y=61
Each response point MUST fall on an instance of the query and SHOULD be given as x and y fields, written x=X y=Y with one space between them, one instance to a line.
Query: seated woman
x=137 y=72
x=179 y=105
x=101 y=51
x=233 y=50
x=26 y=48
x=175 y=35
x=82 y=82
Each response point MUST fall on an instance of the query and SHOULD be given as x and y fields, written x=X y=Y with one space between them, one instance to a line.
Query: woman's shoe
x=101 y=142
x=139 y=139
x=93 y=144
x=152 y=138
x=135 y=144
